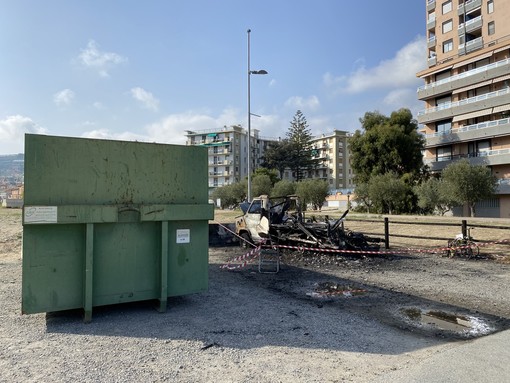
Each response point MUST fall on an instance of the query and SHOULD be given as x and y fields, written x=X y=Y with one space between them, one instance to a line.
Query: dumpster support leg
x=164 y=267
x=89 y=265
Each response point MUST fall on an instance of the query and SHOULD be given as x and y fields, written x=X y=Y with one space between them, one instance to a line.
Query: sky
x=151 y=70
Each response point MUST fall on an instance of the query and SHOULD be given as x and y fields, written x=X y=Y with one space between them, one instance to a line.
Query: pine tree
x=300 y=146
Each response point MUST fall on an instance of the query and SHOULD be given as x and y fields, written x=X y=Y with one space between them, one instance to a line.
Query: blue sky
x=150 y=70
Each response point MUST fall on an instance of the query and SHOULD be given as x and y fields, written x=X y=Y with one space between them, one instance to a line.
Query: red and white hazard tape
x=248 y=257
x=245 y=258
x=401 y=251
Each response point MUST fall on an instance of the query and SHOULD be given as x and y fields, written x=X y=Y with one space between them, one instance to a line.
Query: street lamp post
x=250 y=72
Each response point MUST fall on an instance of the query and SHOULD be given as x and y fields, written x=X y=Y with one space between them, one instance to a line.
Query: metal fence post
x=386 y=233
x=464 y=228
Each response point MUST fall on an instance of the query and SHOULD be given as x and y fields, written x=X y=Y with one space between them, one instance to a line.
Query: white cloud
x=146 y=98
x=98 y=105
x=92 y=57
x=397 y=72
x=106 y=134
x=64 y=97
x=12 y=131
x=172 y=129
x=310 y=103
x=399 y=97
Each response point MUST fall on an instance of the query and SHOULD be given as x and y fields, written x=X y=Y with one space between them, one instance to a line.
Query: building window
x=444 y=153
x=448 y=46
x=479 y=148
x=445 y=100
x=443 y=75
x=490 y=6
x=444 y=126
x=447 y=7
x=447 y=26
x=492 y=28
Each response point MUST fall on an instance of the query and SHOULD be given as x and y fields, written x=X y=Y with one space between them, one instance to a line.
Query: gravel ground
x=320 y=319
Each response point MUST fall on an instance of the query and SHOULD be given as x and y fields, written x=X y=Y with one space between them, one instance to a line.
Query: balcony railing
x=431 y=23
x=471 y=45
x=488 y=157
x=468 y=6
x=466 y=128
x=431 y=42
x=221 y=174
x=470 y=25
x=465 y=74
x=449 y=105
x=503 y=186
x=220 y=163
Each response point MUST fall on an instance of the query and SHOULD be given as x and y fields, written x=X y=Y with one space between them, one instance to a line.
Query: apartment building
x=228 y=152
x=228 y=156
x=331 y=151
x=467 y=90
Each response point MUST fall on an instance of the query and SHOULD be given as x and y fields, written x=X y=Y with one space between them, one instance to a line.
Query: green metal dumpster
x=108 y=222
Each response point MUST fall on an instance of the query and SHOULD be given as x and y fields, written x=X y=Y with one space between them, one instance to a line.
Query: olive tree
x=283 y=188
x=312 y=191
x=389 y=193
x=467 y=184
x=430 y=198
x=261 y=184
x=230 y=194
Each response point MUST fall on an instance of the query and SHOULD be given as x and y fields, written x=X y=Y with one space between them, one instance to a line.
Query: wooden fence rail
x=387 y=232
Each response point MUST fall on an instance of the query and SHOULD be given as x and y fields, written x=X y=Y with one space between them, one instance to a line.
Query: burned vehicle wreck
x=281 y=221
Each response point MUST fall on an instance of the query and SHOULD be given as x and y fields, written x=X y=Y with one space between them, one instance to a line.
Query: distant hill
x=11 y=165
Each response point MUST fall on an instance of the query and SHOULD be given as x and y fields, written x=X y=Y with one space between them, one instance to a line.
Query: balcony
x=431 y=61
x=468 y=6
x=471 y=46
x=220 y=150
x=470 y=26
x=431 y=42
x=431 y=23
x=215 y=142
x=470 y=133
x=451 y=109
x=463 y=79
x=221 y=163
x=221 y=173
x=488 y=157
x=503 y=186
x=431 y=5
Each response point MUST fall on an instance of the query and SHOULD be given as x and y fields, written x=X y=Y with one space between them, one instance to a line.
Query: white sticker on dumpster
x=182 y=236
x=40 y=214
